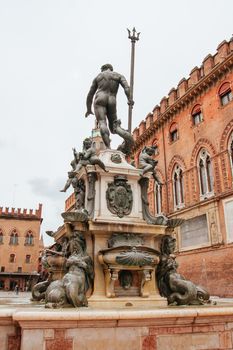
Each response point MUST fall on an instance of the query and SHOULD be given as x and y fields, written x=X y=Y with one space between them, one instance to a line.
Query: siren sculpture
x=171 y=284
x=71 y=289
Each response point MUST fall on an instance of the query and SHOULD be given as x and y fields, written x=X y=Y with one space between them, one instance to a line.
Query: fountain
x=112 y=272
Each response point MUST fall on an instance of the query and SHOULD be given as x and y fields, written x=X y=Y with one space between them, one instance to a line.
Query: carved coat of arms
x=119 y=196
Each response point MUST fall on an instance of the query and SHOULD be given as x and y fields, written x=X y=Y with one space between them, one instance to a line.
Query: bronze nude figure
x=105 y=87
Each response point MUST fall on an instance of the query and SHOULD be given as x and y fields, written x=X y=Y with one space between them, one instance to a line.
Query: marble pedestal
x=113 y=200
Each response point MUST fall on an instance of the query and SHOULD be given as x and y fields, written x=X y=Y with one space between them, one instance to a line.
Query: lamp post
x=134 y=36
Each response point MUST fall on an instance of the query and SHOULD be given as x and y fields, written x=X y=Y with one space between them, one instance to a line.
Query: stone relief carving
x=213 y=227
x=119 y=196
x=121 y=239
x=116 y=158
x=171 y=284
x=134 y=257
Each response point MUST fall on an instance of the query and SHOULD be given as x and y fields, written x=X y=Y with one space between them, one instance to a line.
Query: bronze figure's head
x=106 y=67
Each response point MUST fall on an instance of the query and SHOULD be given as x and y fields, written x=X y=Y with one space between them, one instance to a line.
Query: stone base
x=164 y=328
x=126 y=302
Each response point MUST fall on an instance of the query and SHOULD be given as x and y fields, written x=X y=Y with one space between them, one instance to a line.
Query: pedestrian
x=16 y=289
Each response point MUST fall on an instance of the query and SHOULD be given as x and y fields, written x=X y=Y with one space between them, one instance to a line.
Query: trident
x=133 y=37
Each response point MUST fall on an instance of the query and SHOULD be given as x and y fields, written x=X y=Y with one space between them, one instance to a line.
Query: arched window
x=29 y=238
x=12 y=258
x=178 y=187
x=173 y=132
x=1 y=236
x=14 y=238
x=230 y=150
x=158 y=197
x=225 y=93
x=156 y=147
x=197 y=115
x=205 y=174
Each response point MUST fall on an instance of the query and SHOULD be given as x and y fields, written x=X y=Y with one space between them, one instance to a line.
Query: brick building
x=192 y=129
x=20 y=244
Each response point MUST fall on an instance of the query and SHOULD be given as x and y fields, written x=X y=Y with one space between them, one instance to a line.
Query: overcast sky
x=50 y=52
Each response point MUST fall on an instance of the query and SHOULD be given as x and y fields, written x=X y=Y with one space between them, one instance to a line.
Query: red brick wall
x=211 y=268
x=202 y=266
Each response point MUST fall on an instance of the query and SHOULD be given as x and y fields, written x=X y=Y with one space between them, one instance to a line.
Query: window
x=228 y=209
x=197 y=115
x=230 y=149
x=178 y=187
x=14 y=238
x=173 y=132
x=156 y=150
x=12 y=258
x=205 y=174
x=28 y=259
x=158 y=197
x=1 y=237
x=29 y=238
x=225 y=93
x=2 y=268
x=174 y=135
x=19 y=269
x=194 y=232
x=156 y=147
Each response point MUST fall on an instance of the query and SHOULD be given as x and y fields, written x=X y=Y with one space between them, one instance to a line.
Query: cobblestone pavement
x=11 y=294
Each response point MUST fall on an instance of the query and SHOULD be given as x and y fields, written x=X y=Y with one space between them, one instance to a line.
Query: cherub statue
x=76 y=159
x=147 y=163
x=88 y=156
x=79 y=189
x=71 y=174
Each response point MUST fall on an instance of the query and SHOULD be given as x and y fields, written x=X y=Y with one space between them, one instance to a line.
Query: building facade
x=20 y=246
x=192 y=129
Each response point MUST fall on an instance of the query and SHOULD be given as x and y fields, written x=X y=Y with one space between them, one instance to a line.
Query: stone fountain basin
x=129 y=256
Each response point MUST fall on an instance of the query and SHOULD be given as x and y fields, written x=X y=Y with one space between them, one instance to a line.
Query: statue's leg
x=112 y=116
x=115 y=128
x=67 y=185
x=95 y=160
x=100 y=113
x=78 y=168
x=147 y=168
